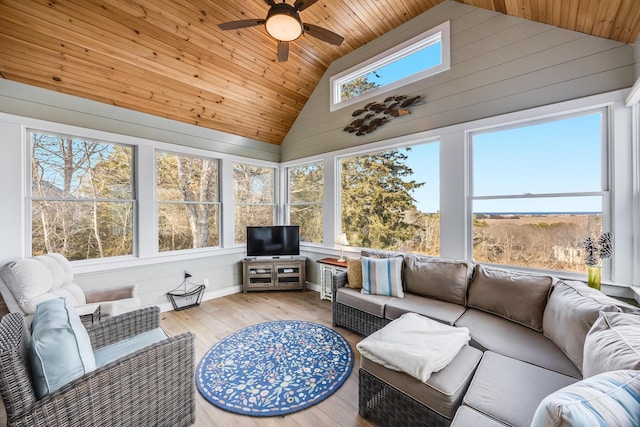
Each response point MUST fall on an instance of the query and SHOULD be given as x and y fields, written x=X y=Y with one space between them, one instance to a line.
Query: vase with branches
x=595 y=251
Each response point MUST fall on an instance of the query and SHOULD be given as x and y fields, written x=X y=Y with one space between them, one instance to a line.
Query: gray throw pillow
x=519 y=297
x=572 y=309
x=613 y=343
x=446 y=280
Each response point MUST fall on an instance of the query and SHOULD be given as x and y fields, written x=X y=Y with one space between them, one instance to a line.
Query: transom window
x=422 y=56
x=82 y=198
x=538 y=190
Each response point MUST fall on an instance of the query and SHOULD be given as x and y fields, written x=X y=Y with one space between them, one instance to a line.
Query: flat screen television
x=273 y=241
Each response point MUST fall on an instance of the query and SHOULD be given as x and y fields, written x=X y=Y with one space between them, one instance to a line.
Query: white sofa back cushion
x=55 y=270
x=66 y=267
x=29 y=281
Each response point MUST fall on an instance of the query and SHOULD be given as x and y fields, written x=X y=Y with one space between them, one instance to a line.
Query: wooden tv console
x=275 y=274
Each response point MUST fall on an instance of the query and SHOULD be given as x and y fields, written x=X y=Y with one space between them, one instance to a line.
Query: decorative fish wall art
x=375 y=114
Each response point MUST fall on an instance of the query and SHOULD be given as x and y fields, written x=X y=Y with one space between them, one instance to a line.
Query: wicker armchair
x=150 y=387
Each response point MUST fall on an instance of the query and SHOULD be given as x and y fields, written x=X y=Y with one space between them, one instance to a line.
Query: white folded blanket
x=415 y=345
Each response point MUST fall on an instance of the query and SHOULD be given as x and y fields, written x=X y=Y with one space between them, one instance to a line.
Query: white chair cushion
x=77 y=292
x=66 y=267
x=56 y=271
x=114 y=308
x=27 y=279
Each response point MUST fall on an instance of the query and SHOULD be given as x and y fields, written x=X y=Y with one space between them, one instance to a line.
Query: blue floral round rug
x=274 y=368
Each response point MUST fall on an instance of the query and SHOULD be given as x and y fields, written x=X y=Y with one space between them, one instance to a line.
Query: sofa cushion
x=466 y=416
x=613 y=343
x=354 y=273
x=446 y=280
x=441 y=311
x=121 y=348
x=608 y=399
x=443 y=391
x=60 y=349
x=509 y=390
x=489 y=332
x=382 y=276
x=372 y=304
x=516 y=296
x=572 y=309
x=27 y=279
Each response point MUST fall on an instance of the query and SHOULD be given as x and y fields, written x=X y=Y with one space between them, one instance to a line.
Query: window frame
x=288 y=203
x=604 y=193
x=274 y=202
x=30 y=198
x=439 y=33
x=388 y=145
x=158 y=202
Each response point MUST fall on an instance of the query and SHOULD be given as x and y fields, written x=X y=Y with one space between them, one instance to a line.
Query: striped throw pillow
x=607 y=399
x=382 y=276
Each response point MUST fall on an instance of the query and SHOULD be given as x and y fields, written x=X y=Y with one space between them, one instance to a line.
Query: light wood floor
x=215 y=319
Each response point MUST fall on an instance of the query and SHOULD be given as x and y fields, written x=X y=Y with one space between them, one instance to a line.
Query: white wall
x=33 y=102
x=499 y=64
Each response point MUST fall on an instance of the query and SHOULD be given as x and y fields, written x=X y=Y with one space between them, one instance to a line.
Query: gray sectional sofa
x=528 y=336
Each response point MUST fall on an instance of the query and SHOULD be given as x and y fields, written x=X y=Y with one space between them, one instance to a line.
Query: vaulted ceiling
x=169 y=58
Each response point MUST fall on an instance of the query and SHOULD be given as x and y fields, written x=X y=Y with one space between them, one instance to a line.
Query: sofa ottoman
x=411 y=402
x=510 y=390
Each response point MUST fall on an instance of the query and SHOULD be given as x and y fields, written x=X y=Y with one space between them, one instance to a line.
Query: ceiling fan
x=284 y=24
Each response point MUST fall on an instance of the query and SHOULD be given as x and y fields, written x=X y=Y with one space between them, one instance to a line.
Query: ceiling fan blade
x=245 y=23
x=303 y=4
x=323 y=34
x=270 y=2
x=283 y=51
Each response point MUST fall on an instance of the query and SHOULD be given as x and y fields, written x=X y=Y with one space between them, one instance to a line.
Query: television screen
x=275 y=240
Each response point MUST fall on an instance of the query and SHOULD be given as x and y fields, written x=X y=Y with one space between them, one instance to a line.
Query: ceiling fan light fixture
x=283 y=23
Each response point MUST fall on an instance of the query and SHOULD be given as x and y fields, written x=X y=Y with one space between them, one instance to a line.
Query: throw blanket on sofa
x=415 y=345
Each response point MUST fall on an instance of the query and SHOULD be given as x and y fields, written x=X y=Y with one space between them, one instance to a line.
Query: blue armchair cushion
x=115 y=351
x=60 y=349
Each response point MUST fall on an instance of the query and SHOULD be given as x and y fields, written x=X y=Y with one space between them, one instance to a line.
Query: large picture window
x=538 y=190
x=391 y=199
x=188 y=202
x=82 y=198
x=304 y=200
x=253 y=197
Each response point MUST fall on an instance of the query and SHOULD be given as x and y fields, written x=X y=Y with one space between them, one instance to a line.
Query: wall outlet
x=205 y=282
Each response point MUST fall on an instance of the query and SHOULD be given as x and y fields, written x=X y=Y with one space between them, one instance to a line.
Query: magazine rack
x=185 y=299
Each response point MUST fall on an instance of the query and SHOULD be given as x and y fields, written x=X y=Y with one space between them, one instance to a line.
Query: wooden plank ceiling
x=168 y=58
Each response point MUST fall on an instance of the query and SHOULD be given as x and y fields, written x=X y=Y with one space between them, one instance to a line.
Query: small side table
x=329 y=267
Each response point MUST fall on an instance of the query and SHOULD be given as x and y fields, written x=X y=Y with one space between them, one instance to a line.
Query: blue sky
x=560 y=156
x=423 y=59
